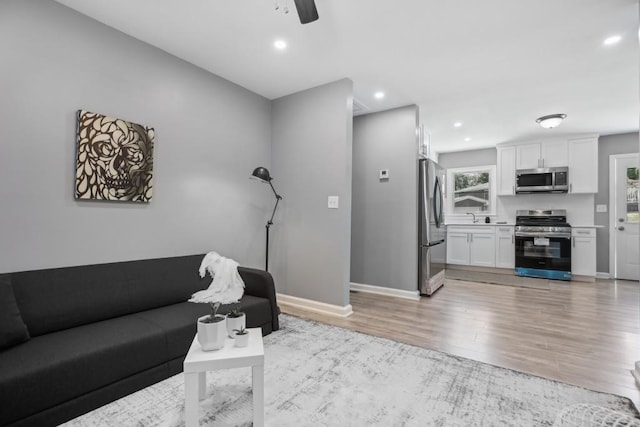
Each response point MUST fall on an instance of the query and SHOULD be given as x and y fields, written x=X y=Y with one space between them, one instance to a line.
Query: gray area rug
x=498 y=279
x=320 y=375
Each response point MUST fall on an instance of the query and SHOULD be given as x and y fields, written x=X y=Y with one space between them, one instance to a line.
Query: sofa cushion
x=178 y=321
x=13 y=331
x=164 y=281
x=61 y=298
x=57 y=367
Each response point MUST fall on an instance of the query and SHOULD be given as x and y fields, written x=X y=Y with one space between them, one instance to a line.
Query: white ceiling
x=494 y=65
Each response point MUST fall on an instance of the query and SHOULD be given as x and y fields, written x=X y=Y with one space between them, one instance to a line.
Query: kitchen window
x=471 y=190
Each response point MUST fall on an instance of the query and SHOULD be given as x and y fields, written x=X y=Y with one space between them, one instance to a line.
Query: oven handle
x=547 y=235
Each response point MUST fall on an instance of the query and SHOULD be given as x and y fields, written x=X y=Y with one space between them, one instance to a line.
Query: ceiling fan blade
x=306 y=11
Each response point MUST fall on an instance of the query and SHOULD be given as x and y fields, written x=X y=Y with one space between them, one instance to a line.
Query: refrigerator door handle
x=434 y=243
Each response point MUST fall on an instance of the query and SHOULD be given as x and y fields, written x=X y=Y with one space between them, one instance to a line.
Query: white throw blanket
x=227 y=285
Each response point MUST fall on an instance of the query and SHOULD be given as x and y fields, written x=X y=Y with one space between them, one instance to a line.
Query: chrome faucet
x=474 y=217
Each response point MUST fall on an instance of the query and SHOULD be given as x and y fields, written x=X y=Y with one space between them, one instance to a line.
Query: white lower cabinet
x=471 y=245
x=505 y=247
x=457 y=248
x=583 y=251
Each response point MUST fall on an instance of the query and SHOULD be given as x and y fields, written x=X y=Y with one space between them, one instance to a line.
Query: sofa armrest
x=259 y=283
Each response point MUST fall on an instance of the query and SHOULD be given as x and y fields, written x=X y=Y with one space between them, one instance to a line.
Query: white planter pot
x=241 y=340
x=211 y=336
x=235 y=323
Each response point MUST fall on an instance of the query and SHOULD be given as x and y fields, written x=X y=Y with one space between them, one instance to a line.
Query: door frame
x=612 y=208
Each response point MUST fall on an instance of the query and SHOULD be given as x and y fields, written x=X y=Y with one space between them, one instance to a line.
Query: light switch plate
x=601 y=208
x=384 y=174
x=333 y=202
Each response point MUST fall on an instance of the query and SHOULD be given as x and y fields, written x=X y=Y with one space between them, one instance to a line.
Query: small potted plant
x=236 y=319
x=241 y=337
x=227 y=287
x=211 y=330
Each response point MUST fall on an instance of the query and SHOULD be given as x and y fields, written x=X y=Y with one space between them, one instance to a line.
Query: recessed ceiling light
x=280 y=44
x=457 y=124
x=612 y=40
x=379 y=95
x=467 y=139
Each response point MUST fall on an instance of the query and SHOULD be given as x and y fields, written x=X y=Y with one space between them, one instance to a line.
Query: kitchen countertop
x=511 y=224
x=478 y=224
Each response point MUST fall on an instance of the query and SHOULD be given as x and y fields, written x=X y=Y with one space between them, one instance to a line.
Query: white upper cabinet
x=545 y=154
x=506 y=173
x=578 y=153
x=528 y=156
x=583 y=165
x=554 y=154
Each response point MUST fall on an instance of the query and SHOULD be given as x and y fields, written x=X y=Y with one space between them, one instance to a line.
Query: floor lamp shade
x=262 y=174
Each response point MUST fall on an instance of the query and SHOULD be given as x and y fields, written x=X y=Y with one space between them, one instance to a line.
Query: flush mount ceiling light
x=551 y=121
x=457 y=124
x=379 y=95
x=280 y=44
x=467 y=139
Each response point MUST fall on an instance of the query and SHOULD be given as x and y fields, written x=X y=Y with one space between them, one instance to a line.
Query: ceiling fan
x=306 y=11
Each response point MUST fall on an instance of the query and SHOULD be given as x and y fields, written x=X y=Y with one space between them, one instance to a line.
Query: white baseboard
x=381 y=290
x=315 y=306
x=600 y=275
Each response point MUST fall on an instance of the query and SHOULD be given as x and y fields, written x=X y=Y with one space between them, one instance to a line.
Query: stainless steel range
x=543 y=244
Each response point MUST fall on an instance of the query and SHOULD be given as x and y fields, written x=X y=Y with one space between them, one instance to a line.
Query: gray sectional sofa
x=73 y=339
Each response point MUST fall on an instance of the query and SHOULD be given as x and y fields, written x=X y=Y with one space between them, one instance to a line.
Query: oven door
x=546 y=252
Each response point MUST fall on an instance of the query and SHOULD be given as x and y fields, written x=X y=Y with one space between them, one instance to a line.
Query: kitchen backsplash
x=580 y=207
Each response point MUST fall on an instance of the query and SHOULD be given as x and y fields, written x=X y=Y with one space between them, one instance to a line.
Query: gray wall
x=384 y=220
x=608 y=145
x=210 y=134
x=311 y=151
x=466 y=159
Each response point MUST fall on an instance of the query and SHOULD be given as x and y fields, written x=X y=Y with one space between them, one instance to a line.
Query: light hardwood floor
x=587 y=334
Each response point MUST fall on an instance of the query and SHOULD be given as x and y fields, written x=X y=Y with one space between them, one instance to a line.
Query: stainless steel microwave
x=546 y=180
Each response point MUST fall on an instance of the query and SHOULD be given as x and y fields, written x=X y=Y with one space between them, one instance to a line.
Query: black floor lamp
x=262 y=174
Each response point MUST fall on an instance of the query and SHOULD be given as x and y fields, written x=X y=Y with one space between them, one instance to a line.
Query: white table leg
x=191 y=389
x=257 y=377
x=202 y=385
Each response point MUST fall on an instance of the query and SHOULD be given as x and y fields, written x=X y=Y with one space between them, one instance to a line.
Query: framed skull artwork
x=114 y=159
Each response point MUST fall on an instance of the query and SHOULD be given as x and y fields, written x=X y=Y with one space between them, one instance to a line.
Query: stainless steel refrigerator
x=431 y=229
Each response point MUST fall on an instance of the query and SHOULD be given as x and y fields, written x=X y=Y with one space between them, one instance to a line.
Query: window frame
x=451 y=172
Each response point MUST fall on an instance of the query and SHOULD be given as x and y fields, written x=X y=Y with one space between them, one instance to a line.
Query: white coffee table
x=198 y=362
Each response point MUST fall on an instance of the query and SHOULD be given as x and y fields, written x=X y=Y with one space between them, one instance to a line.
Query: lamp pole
x=269 y=224
x=262 y=174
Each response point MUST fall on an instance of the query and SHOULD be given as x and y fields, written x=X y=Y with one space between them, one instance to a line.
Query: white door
x=624 y=216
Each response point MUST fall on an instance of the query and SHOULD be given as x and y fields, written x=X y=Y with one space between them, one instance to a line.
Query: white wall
x=210 y=134
x=311 y=151
x=384 y=221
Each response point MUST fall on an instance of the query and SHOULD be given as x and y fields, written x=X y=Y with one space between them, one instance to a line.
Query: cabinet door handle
x=513 y=189
x=512 y=239
x=570 y=188
x=573 y=241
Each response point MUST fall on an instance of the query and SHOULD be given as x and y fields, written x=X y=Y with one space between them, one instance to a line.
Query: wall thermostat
x=384 y=173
